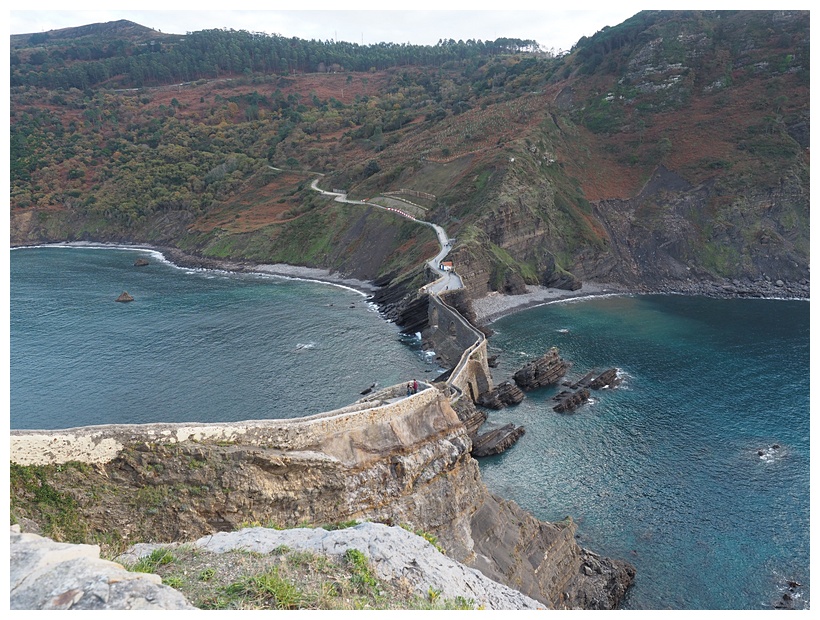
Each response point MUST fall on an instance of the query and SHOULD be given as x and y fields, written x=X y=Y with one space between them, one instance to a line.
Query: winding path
x=447 y=280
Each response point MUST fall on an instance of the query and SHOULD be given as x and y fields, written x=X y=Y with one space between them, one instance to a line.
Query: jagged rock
x=471 y=417
x=582 y=382
x=125 y=297
x=412 y=317
x=497 y=440
x=503 y=395
x=546 y=370
x=606 y=378
x=572 y=401
x=141 y=262
x=51 y=575
x=604 y=578
x=492 y=361
x=555 y=277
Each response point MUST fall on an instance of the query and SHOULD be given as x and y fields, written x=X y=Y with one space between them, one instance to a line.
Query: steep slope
x=669 y=152
x=405 y=461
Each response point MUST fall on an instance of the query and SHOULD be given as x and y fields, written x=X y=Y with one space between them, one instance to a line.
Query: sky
x=553 y=29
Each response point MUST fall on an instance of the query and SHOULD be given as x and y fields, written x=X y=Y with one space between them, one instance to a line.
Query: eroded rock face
x=546 y=370
x=51 y=575
x=496 y=440
x=503 y=395
x=411 y=467
x=569 y=401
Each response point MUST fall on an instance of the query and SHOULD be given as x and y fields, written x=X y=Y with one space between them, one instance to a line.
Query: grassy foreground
x=284 y=579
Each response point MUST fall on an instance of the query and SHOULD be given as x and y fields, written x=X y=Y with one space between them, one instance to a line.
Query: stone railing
x=101 y=444
x=471 y=374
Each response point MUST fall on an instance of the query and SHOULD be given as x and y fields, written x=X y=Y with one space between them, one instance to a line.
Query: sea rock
x=497 y=440
x=606 y=378
x=546 y=370
x=582 y=382
x=141 y=262
x=125 y=297
x=571 y=401
x=472 y=417
x=503 y=395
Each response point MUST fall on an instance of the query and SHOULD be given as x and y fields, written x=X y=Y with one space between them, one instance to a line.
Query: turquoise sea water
x=662 y=471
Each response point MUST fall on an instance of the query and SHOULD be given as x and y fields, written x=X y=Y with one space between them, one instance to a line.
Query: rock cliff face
x=408 y=463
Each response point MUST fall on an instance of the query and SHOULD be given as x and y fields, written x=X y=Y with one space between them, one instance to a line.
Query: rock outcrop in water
x=503 y=395
x=496 y=440
x=570 y=401
x=542 y=372
x=124 y=297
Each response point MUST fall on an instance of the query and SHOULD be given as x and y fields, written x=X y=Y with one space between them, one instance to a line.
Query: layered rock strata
x=503 y=395
x=542 y=372
x=402 y=462
x=496 y=440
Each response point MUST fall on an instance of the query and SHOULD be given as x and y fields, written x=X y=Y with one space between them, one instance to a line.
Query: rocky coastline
x=494 y=305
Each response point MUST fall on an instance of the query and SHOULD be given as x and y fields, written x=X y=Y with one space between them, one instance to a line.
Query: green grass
x=287 y=579
x=149 y=563
x=58 y=513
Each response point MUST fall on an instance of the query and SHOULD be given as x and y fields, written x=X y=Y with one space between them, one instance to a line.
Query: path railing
x=455 y=391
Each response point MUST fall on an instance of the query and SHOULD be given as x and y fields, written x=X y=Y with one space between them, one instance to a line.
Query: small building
x=446 y=265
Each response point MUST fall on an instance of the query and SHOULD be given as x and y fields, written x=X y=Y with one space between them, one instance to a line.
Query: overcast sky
x=552 y=28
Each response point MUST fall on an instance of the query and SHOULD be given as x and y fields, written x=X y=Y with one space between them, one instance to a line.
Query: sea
x=694 y=468
x=195 y=345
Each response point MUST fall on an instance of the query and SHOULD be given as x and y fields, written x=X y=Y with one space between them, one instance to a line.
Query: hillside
x=664 y=153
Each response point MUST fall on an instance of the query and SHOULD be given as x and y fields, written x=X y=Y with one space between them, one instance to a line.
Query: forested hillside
x=669 y=149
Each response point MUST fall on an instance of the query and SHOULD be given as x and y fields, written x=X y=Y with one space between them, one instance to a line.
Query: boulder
x=606 y=378
x=141 y=262
x=124 y=297
x=571 y=401
x=503 y=395
x=472 y=417
x=546 y=370
x=497 y=440
x=52 y=575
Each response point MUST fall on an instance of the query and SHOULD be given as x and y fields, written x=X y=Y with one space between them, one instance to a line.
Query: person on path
x=415 y=386
x=408 y=389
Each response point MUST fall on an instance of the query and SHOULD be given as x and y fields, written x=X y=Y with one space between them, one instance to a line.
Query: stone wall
x=402 y=462
x=388 y=458
x=460 y=346
x=101 y=444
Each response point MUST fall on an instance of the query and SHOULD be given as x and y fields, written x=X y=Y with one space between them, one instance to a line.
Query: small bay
x=194 y=346
x=664 y=470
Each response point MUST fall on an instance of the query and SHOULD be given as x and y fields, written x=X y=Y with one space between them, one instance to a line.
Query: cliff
x=403 y=462
x=403 y=571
